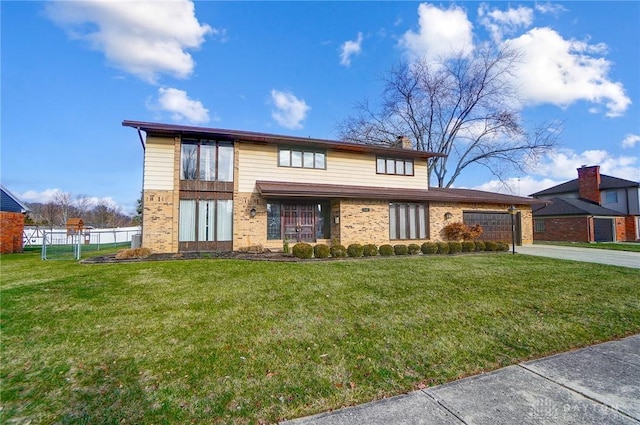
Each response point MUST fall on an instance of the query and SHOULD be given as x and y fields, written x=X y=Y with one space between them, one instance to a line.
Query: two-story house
x=592 y=208
x=207 y=189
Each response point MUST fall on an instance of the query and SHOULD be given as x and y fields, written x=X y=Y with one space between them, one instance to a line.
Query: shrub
x=386 y=250
x=285 y=246
x=338 y=251
x=370 y=250
x=443 y=247
x=414 y=249
x=321 y=251
x=133 y=253
x=400 y=249
x=502 y=246
x=302 y=250
x=355 y=250
x=479 y=245
x=459 y=231
x=490 y=246
x=454 y=247
x=429 y=248
x=468 y=246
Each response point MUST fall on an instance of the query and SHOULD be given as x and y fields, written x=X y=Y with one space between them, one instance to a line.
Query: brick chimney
x=404 y=142
x=589 y=183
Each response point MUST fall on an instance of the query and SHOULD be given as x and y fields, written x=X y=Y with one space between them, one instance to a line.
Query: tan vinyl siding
x=260 y=162
x=159 y=159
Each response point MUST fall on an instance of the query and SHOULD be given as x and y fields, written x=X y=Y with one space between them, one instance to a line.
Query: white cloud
x=290 y=111
x=500 y=22
x=350 y=48
x=49 y=195
x=519 y=186
x=562 y=164
x=180 y=106
x=561 y=72
x=442 y=33
x=144 y=38
x=630 y=140
x=551 y=8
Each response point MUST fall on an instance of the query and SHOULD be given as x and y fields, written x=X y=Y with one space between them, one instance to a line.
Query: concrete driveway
x=589 y=255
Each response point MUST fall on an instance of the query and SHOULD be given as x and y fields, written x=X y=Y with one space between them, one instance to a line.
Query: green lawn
x=236 y=341
x=615 y=246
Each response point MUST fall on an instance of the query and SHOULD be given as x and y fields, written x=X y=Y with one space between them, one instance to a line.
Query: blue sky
x=72 y=71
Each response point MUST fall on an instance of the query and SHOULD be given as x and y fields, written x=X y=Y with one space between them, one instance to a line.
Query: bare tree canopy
x=465 y=108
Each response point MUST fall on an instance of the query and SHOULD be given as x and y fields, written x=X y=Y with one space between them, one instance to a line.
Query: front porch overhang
x=274 y=189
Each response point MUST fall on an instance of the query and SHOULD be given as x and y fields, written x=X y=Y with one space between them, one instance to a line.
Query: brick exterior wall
x=11 y=229
x=589 y=183
x=570 y=229
x=630 y=223
x=160 y=229
x=621 y=230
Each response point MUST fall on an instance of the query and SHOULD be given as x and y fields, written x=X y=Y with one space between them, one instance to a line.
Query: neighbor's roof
x=606 y=182
x=573 y=206
x=10 y=203
x=249 y=136
x=329 y=191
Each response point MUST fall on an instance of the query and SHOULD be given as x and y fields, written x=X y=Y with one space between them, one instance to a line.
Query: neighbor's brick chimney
x=589 y=183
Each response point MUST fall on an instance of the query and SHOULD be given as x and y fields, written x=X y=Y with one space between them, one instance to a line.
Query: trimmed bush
x=321 y=251
x=502 y=246
x=443 y=247
x=355 y=250
x=370 y=250
x=490 y=246
x=414 y=248
x=454 y=247
x=302 y=250
x=400 y=249
x=338 y=251
x=479 y=245
x=429 y=248
x=386 y=250
x=468 y=246
x=133 y=253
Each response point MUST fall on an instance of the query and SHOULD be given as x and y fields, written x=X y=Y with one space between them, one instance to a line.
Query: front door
x=298 y=222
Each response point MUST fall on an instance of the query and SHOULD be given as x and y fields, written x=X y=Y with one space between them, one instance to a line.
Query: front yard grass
x=236 y=341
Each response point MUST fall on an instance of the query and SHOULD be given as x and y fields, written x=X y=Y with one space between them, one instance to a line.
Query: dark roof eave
x=248 y=136
x=270 y=189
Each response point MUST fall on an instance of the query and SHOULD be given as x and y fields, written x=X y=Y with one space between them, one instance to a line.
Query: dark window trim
x=302 y=152
x=395 y=160
x=198 y=143
x=394 y=206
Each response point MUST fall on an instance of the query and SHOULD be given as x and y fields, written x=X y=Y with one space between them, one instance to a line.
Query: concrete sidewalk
x=594 y=385
x=589 y=255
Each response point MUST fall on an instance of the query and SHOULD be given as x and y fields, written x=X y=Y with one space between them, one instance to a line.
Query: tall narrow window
x=206 y=220
x=224 y=219
x=408 y=221
x=189 y=163
x=187 y=221
x=225 y=163
x=207 y=161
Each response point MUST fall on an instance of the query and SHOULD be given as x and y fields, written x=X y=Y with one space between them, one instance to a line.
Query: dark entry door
x=298 y=222
x=603 y=229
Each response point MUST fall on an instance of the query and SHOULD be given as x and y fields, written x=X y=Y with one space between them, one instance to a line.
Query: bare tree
x=464 y=108
x=65 y=205
x=50 y=212
x=83 y=205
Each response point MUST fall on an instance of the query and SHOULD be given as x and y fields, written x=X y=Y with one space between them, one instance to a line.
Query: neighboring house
x=592 y=208
x=12 y=214
x=209 y=189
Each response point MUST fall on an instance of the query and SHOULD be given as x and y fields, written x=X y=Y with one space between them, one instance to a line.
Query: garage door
x=603 y=229
x=496 y=226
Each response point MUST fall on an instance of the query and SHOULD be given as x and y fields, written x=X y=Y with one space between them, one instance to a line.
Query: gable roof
x=606 y=182
x=573 y=206
x=329 y=191
x=250 y=136
x=10 y=203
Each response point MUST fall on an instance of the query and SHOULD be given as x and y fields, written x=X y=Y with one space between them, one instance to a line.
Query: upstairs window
x=611 y=197
x=302 y=158
x=206 y=160
x=402 y=167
